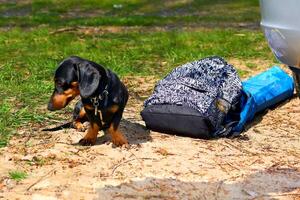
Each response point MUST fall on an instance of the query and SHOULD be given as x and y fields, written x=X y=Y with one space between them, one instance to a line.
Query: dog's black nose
x=50 y=106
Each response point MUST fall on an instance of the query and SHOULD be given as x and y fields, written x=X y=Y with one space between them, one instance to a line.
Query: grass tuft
x=17 y=175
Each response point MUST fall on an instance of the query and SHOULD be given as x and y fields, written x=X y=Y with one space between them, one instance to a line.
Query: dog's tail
x=60 y=127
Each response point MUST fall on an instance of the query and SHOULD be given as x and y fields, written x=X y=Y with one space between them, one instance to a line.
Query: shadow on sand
x=134 y=132
x=272 y=183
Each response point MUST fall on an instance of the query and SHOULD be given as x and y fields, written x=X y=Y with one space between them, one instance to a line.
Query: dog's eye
x=59 y=84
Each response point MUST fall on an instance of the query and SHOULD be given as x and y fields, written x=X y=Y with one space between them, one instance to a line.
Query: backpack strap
x=227 y=130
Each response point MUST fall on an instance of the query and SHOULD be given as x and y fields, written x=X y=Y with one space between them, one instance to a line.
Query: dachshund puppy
x=103 y=97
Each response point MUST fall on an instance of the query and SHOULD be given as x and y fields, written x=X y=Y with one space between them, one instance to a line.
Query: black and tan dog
x=102 y=93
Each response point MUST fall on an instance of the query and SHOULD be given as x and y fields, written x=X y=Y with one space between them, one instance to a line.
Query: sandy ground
x=263 y=163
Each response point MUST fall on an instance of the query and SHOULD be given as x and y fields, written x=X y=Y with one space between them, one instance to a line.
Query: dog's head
x=73 y=76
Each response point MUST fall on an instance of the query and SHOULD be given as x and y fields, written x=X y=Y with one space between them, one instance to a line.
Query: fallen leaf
x=163 y=152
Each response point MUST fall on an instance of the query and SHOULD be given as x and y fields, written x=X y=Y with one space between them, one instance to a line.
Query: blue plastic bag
x=261 y=92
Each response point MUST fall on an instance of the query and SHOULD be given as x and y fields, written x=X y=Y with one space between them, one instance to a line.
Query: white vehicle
x=281 y=25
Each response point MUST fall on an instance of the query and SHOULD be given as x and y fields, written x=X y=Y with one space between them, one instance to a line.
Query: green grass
x=17 y=175
x=29 y=56
x=127 y=13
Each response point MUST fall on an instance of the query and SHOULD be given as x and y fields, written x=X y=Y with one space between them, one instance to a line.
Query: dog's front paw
x=79 y=126
x=87 y=141
x=120 y=140
x=81 y=129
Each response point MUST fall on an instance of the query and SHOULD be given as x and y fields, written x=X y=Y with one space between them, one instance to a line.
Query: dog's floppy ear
x=89 y=80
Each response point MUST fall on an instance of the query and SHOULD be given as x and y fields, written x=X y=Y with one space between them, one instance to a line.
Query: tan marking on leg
x=82 y=113
x=91 y=136
x=117 y=136
x=89 y=107
x=113 y=108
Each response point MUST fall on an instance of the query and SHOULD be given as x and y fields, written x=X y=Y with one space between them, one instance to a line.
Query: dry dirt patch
x=264 y=163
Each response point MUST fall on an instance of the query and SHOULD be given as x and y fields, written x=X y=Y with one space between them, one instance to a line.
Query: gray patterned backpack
x=194 y=99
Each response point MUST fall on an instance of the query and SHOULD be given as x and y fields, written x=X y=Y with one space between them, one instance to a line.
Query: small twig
x=27 y=139
x=137 y=158
x=54 y=120
x=58 y=142
x=40 y=179
x=143 y=195
x=240 y=149
x=42 y=143
x=68 y=29
x=221 y=166
x=118 y=165
x=127 y=161
x=255 y=161
x=232 y=178
x=232 y=166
